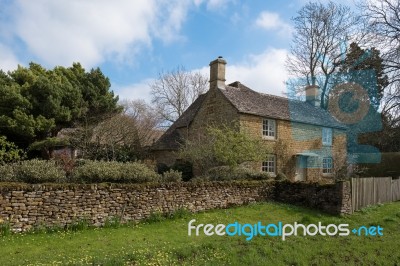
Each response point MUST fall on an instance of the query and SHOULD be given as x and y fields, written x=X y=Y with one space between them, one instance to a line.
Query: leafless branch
x=174 y=91
x=316 y=50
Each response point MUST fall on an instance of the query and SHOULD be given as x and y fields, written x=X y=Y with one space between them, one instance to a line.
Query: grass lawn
x=167 y=242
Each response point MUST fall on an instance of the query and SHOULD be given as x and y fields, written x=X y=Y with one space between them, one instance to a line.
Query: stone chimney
x=313 y=96
x=217 y=73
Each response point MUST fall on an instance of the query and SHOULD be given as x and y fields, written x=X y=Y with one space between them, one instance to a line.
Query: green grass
x=162 y=241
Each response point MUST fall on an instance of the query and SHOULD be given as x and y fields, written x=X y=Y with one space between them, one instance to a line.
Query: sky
x=132 y=41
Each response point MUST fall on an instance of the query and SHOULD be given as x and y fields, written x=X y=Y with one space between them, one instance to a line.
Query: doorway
x=301 y=168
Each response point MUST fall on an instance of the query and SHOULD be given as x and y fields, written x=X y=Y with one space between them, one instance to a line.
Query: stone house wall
x=167 y=157
x=216 y=110
x=292 y=138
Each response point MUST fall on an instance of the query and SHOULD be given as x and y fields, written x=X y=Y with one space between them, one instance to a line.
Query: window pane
x=269 y=165
x=327 y=165
x=268 y=128
x=326 y=136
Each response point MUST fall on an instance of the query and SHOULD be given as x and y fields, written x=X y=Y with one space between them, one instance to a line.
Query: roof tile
x=251 y=102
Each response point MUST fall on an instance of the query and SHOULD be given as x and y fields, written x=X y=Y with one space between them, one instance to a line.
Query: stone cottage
x=308 y=142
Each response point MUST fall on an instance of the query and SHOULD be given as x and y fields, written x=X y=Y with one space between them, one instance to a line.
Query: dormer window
x=269 y=128
x=327 y=136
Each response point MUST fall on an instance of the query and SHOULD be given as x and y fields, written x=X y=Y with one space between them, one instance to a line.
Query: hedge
x=222 y=173
x=88 y=172
x=42 y=171
x=116 y=172
x=32 y=171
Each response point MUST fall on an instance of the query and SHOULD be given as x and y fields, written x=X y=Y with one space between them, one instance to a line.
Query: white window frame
x=327 y=165
x=327 y=136
x=268 y=128
x=269 y=165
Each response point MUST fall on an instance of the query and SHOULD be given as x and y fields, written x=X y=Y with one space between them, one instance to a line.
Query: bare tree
x=317 y=46
x=382 y=19
x=174 y=91
x=117 y=131
x=123 y=136
x=147 y=120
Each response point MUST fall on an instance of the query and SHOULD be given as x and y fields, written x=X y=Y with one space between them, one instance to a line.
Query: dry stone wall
x=330 y=198
x=28 y=206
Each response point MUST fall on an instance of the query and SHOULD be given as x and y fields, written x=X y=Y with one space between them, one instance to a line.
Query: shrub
x=117 y=172
x=162 y=167
x=223 y=145
x=65 y=161
x=281 y=176
x=171 y=176
x=111 y=152
x=221 y=173
x=38 y=171
x=186 y=168
x=245 y=173
x=7 y=173
x=9 y=152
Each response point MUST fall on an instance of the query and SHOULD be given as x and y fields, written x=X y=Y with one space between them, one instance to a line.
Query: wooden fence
x=373 y=190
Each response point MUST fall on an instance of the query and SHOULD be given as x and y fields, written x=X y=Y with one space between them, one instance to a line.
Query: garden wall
x=27 y=206
x=330 y=198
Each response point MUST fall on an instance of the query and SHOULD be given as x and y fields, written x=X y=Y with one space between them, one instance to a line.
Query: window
x=327 y=165
x=269 y=128
x=269 y=165
x=327 y=136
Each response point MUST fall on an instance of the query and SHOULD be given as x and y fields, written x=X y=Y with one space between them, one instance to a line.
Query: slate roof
x=247 y=101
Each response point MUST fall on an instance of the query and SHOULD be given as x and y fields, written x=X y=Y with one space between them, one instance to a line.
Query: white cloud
x=213 y=4
x=60 y=32
x=140 y=90
x=91 y=32
x=172 y=16
x=8 y=61
x=263 y=72
x=272 y=21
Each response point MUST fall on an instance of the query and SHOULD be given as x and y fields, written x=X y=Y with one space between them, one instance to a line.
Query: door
x=301 y=168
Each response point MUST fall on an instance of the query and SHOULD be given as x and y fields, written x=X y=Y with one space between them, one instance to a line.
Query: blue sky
x=133 y=40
